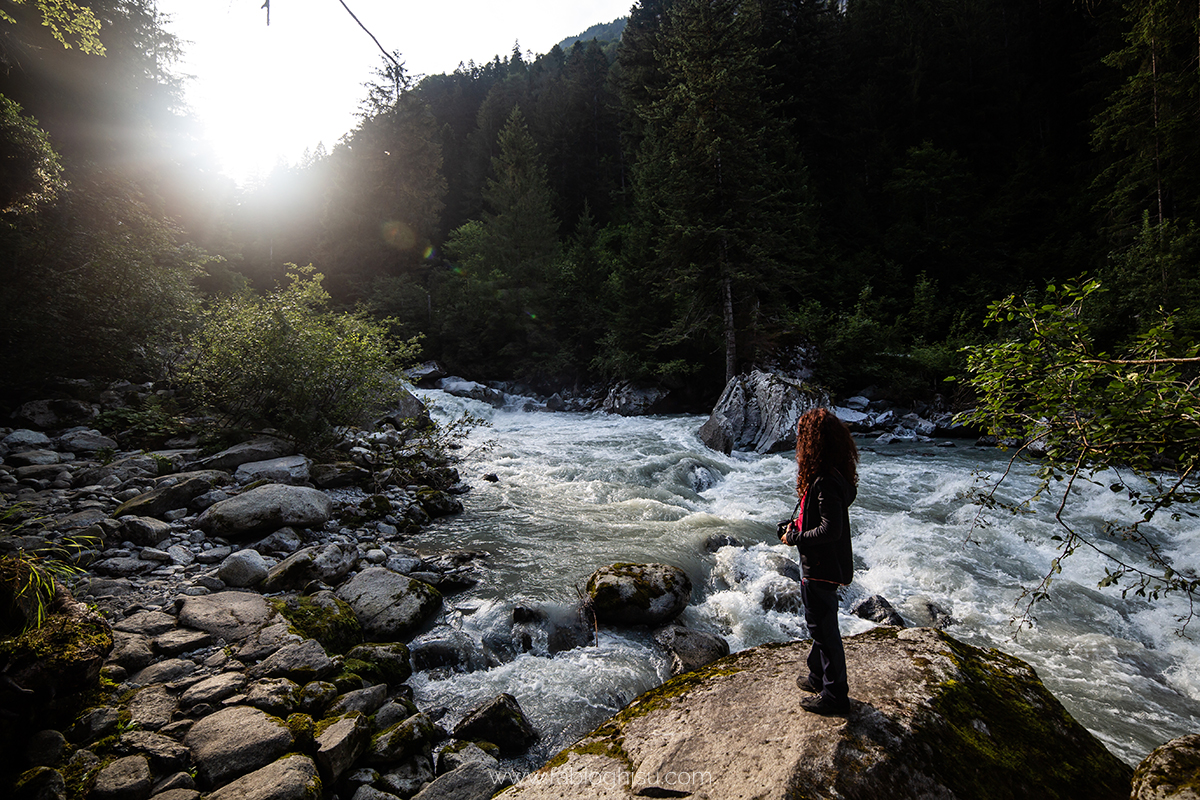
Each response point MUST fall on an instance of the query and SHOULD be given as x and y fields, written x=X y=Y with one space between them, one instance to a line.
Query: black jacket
x=822 y=531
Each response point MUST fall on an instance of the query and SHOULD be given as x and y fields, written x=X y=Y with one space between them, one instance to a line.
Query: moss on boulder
x=931 y=717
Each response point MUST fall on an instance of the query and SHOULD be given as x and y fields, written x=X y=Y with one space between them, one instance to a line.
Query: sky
x=267 y=93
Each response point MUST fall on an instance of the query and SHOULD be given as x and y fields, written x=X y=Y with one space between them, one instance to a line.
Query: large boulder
x=389 y=606
x=265 y=509
x=499 y=721
x=1171 y=772
x=292 y=470
x=263 y=448
x=638 y=594
x=230 y=615
x=930 y=717
x=632 y=400
x=291 y=778
x=328 y=563
x=758 y=412
x=177 y=491
x=235 y=741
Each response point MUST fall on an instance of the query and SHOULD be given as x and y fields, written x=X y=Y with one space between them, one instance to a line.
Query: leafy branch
x=1081 y=412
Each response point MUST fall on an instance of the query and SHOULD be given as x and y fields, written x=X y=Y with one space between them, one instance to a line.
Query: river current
x=578 y=491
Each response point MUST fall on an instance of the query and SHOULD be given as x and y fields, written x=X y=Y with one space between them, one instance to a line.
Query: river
x=579 y=491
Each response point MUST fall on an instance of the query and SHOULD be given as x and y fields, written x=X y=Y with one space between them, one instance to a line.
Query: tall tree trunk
x=730 y=333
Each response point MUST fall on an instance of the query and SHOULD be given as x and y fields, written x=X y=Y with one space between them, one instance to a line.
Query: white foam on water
x=578 y=491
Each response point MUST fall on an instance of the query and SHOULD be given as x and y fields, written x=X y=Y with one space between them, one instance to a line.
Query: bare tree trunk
x=730 y=333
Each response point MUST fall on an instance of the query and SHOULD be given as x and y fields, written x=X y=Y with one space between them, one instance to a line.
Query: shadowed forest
x=706 y=186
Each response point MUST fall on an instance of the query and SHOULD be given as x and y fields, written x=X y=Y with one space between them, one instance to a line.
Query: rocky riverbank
x=252 y=619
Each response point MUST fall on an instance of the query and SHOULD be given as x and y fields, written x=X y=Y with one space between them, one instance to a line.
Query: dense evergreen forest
x=709 y=187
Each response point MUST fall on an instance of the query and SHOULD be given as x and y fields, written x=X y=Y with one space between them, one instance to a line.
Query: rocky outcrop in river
x=931 y=717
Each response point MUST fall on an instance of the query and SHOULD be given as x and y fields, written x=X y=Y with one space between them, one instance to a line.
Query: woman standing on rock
x=826 y=482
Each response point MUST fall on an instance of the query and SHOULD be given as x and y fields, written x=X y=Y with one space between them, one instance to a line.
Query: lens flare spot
x=398 y=235
x=429 y=253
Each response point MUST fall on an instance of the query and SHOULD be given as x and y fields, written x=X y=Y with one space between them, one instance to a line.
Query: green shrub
x=286 y=362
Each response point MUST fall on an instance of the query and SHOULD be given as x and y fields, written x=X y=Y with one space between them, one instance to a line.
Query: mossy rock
x=638 y=594
x=321 y=616
x=385 y=662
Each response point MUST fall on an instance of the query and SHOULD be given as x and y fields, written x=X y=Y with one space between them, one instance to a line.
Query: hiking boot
x=825 y=705
x=805 y=683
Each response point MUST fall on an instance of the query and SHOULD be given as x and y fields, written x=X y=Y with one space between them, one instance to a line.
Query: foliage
x=65 y=19
x=285 y=361
x=156 y=421
x=95 y=284
x=29 y=578
x=30 y=170
x=1135 y=412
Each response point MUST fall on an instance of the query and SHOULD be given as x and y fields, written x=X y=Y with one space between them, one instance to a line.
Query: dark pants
x=827 y=658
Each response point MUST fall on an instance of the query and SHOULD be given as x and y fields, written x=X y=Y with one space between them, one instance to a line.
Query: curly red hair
x=823 y=443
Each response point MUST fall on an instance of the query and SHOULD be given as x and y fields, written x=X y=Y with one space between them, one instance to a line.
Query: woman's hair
x=823 y=443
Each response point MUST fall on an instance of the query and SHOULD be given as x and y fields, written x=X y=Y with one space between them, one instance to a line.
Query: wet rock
x=631 y=399
x=447 y=647
x=930 y=717
x=690 y=649
x=638 y=594
x=389 y=605
x=1170 y=772
x=716 y=541
x=291 y=778
x=499 y=721
x=267 y=508
x=877 y=609
x=926 y=613
x=235 y=741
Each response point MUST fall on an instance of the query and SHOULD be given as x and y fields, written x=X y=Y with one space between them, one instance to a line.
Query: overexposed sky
x=266 y=93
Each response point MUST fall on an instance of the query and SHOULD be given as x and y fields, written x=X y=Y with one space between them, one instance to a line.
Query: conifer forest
x=703 y=187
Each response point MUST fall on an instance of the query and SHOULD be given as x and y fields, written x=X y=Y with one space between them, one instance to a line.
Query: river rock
x=126 y=778
x=84 y=440
x=638 y=594
x=243 y=568
x=264 y=448
x=758 y=412
x=402 y=741
x=302 y=662
x=499 y=721
x=341 y=744
x=267 y=508
x=177 y=492
x=390 y=661
x=1170 y=772
x=291 y=470
x=472 y=781
x=291 y=778
x=235 y=741
x=389 y=605
x=145 y=531
x=406 y=411
x=631 y=399
x=930 y=717
x=229 y=615
x=877 y=609
x=690 y=649
x=327 y=563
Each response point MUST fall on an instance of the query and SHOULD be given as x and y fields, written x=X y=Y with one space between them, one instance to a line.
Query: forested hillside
x=728 y=180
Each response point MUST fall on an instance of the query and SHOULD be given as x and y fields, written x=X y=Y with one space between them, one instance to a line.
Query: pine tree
x=721 y=195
